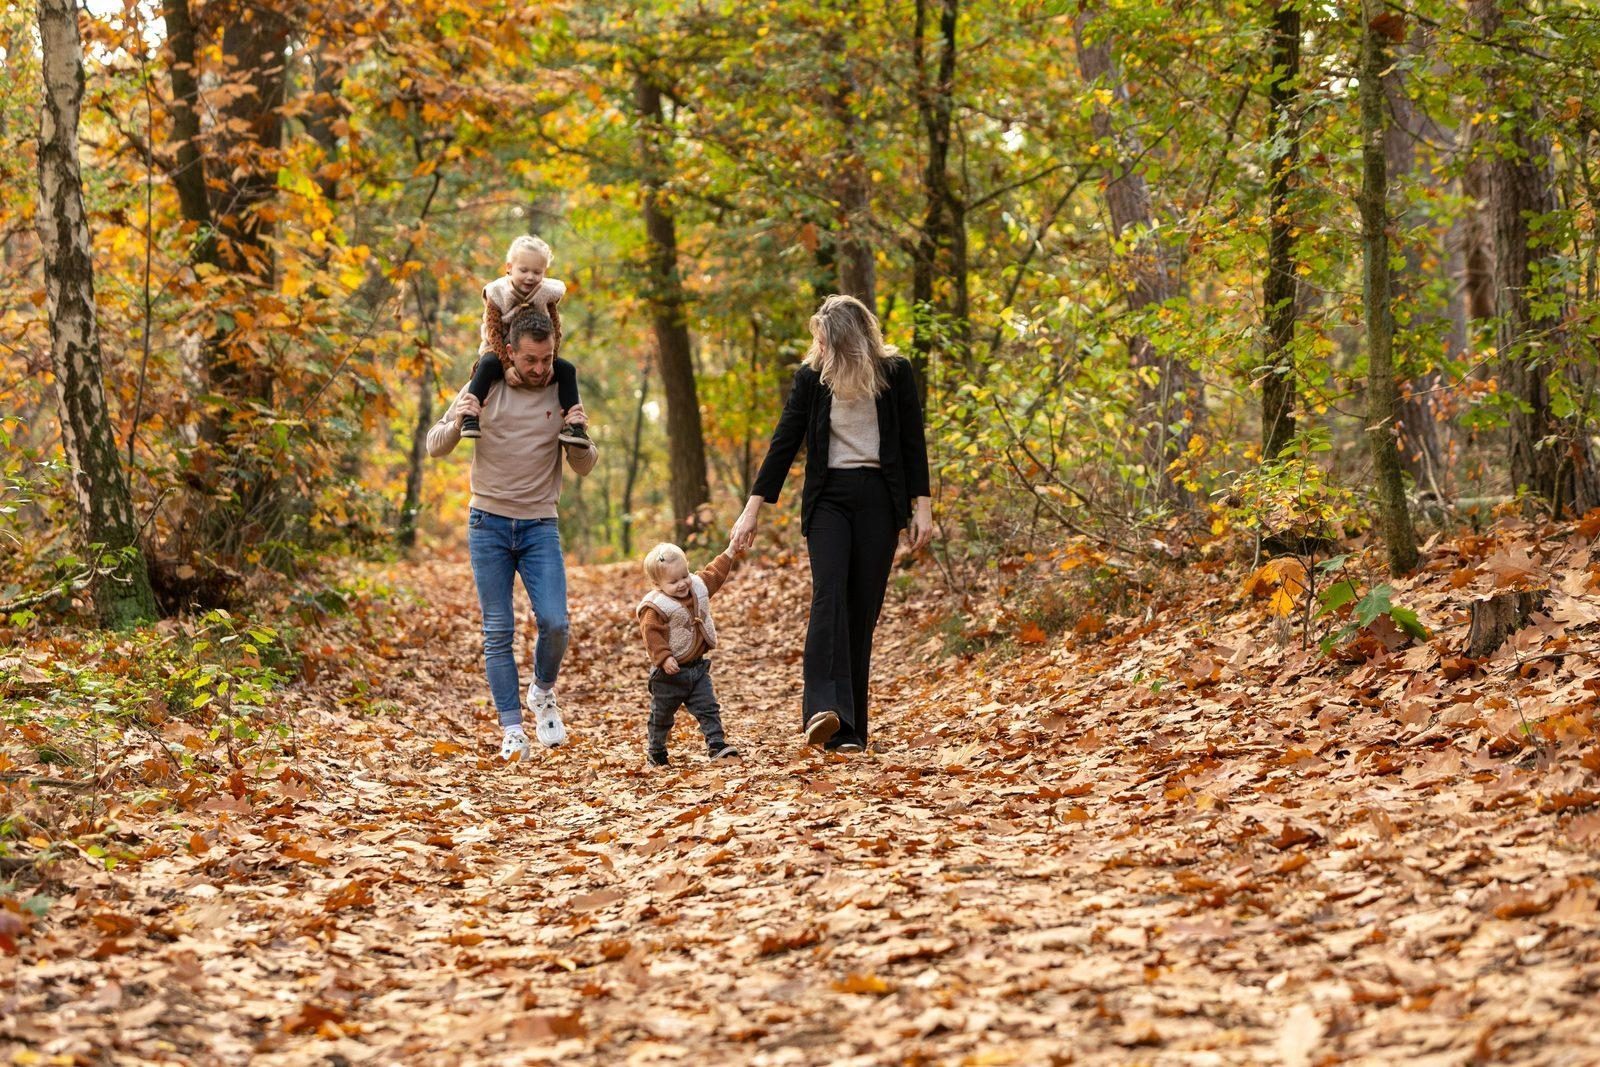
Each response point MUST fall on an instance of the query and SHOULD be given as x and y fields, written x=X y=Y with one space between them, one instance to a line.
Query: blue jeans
x=503 y=548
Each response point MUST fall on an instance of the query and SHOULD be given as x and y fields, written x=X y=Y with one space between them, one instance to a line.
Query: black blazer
x=902 y=446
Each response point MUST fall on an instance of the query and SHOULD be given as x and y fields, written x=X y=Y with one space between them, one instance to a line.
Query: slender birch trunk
x=122 y=593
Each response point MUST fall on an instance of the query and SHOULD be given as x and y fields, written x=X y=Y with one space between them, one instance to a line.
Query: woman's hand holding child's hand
x=744 y=528
x=670 y=665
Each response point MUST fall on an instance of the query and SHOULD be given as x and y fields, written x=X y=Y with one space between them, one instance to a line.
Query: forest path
x=1037 y=866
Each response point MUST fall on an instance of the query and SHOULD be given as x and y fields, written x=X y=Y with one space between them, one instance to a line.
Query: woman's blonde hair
x=526 y=243
x=659 y=558
x=847 y=349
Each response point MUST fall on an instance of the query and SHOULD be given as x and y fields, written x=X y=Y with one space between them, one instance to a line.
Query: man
x=516 y=484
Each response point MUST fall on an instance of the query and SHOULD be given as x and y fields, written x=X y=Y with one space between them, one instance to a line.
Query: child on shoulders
x=523 y=285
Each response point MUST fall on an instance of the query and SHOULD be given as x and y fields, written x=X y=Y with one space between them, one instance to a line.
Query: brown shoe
x=823 y=725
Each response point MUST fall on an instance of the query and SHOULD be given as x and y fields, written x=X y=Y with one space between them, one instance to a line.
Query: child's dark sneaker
x=573 y=433
x=823 y=725
x=658 y=759
x=724 y=752
x=469 y=427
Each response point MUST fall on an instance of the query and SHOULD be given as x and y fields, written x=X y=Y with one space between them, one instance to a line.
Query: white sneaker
x=515 y=744
x=546 y=718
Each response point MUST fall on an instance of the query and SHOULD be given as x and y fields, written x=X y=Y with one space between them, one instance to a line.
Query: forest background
x=1129 y=246
x=1183 y=282
x=1258 y=348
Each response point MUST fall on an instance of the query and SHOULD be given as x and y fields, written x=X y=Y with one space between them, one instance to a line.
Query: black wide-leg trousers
x=852 y=540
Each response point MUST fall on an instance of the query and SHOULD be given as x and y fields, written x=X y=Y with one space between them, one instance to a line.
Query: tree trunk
x=1420 y=432
x=1278 y=391
x=1383 y=396
x=1497 y=617
x=858 y=274
x=223 y=176
x=942 y=240
x=857 y=269
x=634 y=457
x=249 y=140
x=1170 y=403
x=1549 y=455
x=122 y=597
x=686 y=441
x=325 y=110
x=426 y=289
x=1476 y=233
x=189 y=177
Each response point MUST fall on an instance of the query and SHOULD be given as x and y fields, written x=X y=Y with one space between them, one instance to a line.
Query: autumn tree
x=226 y=177
x=858 y=274
x=1278 y=392
x=940 y=249
x=1383 y=395
x=669 y=310
x=1416 y=148
x=1170 y=394
x=122 y=590
x=1550 y=452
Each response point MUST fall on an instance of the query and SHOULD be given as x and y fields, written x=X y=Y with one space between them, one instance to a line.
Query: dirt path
x=1047 y=862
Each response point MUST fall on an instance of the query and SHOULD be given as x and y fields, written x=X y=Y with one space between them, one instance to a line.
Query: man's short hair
x=532 y=324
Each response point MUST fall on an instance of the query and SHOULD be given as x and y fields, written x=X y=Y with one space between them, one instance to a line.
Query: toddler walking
x=523 y=285
x=679 y=634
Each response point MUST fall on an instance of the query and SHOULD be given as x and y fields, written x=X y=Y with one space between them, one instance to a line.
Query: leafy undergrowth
x=1181 y=834
x=95 y=725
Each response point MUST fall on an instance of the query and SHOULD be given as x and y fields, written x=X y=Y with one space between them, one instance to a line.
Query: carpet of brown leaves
x=1192 y=842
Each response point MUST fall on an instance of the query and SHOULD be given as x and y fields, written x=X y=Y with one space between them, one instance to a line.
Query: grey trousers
x=669 y=692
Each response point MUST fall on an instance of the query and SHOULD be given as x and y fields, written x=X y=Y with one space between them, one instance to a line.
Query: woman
x=855 y=406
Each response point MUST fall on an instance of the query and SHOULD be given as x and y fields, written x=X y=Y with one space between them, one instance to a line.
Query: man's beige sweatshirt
x=516 y=464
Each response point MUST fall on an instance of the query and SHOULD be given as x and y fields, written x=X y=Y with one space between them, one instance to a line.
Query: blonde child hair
x=537 y=245
x=847 y=349
x=659 y=558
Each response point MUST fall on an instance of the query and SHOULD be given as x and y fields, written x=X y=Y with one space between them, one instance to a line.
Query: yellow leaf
x=1286 y=574
x=863 y=983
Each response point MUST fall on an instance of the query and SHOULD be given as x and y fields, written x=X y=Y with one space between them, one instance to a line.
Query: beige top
x=853 y=433
x=501 y=302
x=516 y=464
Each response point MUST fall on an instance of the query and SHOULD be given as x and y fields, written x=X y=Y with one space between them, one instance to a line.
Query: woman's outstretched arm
x=781 y=450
